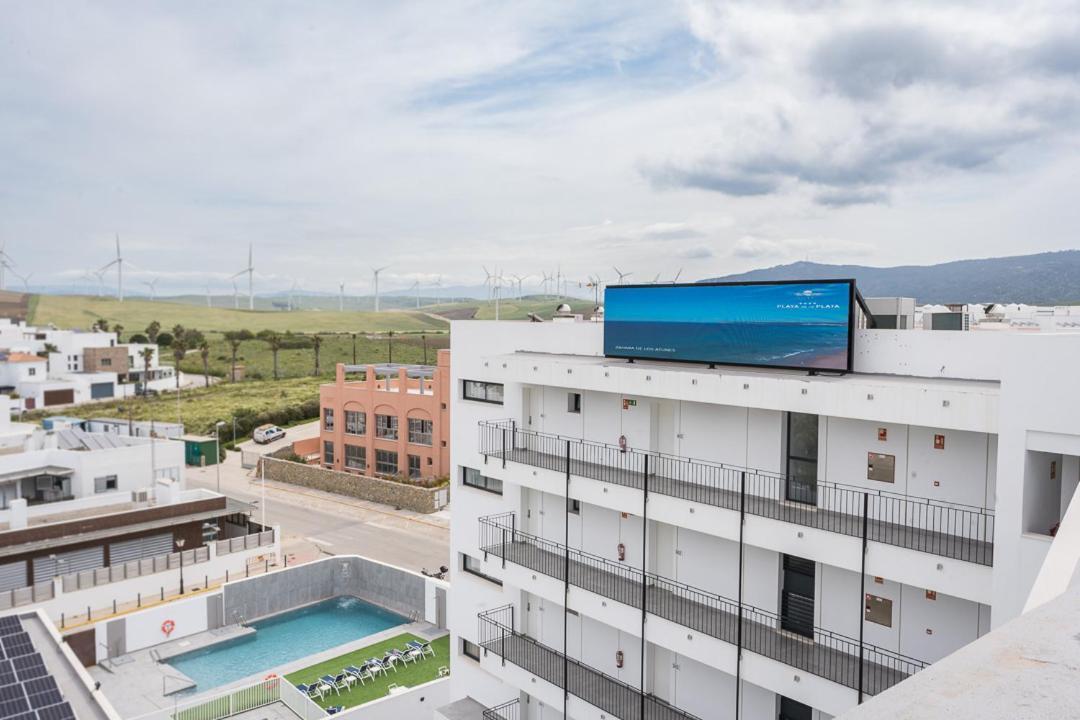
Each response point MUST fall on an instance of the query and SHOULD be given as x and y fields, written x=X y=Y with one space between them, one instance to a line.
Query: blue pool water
x=284 y=638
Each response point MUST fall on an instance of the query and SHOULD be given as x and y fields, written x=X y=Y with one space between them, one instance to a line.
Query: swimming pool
x=283 y=638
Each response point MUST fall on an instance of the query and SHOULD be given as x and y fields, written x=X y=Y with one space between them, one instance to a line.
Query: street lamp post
x=217 y=452
x=180 y=548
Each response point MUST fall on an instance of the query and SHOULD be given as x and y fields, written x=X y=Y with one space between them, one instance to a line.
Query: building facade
x=392 y=420
x=660 y=540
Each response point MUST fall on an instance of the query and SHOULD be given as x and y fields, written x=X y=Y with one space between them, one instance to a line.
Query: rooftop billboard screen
x=799 y=325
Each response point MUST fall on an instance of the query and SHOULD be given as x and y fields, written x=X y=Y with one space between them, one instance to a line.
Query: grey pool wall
x=401 y=591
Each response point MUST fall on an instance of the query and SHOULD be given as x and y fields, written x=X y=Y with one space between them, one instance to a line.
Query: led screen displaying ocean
x=820 y=346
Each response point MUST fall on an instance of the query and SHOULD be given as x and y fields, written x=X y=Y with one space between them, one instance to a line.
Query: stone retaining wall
x=409 y=497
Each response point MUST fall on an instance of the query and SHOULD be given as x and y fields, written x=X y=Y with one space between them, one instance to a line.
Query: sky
x=438 y=138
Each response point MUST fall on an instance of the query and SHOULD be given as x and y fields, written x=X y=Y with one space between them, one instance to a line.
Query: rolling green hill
x=80 y=311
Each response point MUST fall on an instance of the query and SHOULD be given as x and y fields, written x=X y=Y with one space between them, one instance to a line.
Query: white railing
x=304 y=707
x=225 y=705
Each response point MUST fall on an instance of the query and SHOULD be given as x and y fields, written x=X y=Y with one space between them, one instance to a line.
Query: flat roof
x=55 y=470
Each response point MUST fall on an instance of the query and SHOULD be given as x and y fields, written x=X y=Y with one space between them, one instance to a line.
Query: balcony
x=498 y=636
x=507 y=711
x=829 y=655
x=946 y=530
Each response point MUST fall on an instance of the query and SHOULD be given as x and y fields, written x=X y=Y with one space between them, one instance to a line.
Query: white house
x=672 y=540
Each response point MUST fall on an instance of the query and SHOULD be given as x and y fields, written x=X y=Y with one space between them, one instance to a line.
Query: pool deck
x=137 y=684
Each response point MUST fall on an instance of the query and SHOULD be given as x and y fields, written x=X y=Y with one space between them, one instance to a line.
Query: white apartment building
x=660 y=540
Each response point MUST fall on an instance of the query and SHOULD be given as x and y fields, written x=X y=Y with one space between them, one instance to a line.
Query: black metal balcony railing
x=829 y=655
x=949 y=530
x=507 y=711
x=626 y=702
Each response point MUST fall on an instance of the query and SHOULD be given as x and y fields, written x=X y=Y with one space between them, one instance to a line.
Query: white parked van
x=267 y=434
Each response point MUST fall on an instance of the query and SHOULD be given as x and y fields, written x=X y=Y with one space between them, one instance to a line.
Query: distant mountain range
x=1051 y=278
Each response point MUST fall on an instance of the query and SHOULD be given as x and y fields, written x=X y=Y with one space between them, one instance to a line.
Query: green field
x=200 y=408
x=80 y=312
x=258 y=360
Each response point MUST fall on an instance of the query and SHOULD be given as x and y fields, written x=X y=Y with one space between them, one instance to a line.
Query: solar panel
x=12 y=691
x=61 y=711
x=10 y=624
x=40 y=685
x=28 y=715
x=17 y=644
x=29 y=666
x=13 y=707
x=45 y=699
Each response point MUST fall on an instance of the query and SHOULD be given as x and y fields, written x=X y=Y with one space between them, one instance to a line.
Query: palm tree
x=274 y=341
x=316 y=345
x=204 y=353
x=101 y=324
x=179 y=352
x=118 y=328
x=234 y=338
x=147 y=355
x=152 y=331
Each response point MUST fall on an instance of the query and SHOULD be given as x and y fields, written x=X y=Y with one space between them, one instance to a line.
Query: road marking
x=317 y=541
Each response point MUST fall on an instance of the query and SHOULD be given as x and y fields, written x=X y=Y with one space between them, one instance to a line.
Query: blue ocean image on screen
x=786 y=325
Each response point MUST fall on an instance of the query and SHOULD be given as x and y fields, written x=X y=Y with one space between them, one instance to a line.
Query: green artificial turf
x=409 y=675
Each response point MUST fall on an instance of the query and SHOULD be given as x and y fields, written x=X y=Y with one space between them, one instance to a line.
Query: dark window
x=355 y=422
x=573 y=403
x=573 y=506
x=328 y=452
x=420 y=431
x=328 y=419
x=885 y=322
x=470 y=649
x=105 y=362
x=473 y=567
x=794 y=710
x=482 y=391
x=473 y=478
x=386 y=462
x=31 y=371
x=802 y=453
x=386 y=427
x=797 y=596
x=104 y=484
x=414 y=466
x=356 y=457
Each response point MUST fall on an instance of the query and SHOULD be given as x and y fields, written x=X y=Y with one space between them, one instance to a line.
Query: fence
x=497 y=635
x=829 y=655
x=507 y=711
x=245 y=542
x=951 y=530
x=230 y=703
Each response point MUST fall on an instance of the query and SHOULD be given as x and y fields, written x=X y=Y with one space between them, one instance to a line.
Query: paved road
x=316 y=524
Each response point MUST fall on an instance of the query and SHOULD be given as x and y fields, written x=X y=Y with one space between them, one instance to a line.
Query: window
x=31 y=371
x=482 y=391
x=386 y=462
x=420 y=431
x=328 y=419
x=386 y=427
x=573 y=403
x=106 y=362
x=473 y=478
x=104 y=484
x=414 y=466
x=356 y=457
x=355 y=422
x=473 y=567
x=470 y=649
x=573 y=506
x=328 y=452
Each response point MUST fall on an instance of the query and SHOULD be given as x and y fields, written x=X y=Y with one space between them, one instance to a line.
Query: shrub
x=165 y=339
x=139 y=339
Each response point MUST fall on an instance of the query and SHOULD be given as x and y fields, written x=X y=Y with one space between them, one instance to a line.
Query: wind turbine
x=519 y=279
x=235 y=295
x=676 y=278
x=152 y=284
x=438 y=289
x=621 y=274
x=6 y=263
x=119 y=263
x=24 y=278
x=376 y=271
x=250 y=270
x=208 y=302
x=416 y=287
x=489 y=281
x=341 y=296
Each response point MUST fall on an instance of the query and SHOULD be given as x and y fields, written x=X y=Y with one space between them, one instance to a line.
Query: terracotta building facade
x=390 y=420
